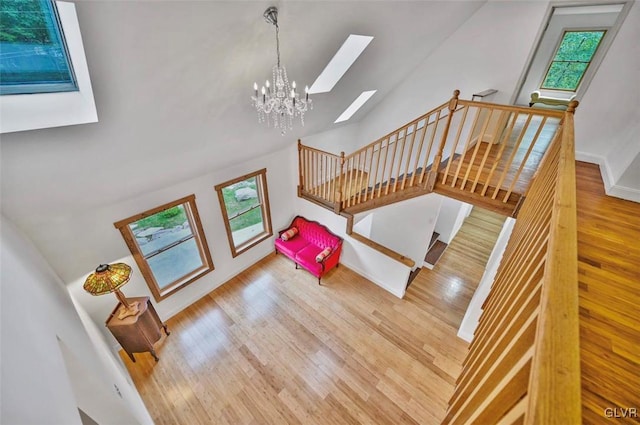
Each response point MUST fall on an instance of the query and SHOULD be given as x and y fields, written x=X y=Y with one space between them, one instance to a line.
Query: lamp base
x=132 y=310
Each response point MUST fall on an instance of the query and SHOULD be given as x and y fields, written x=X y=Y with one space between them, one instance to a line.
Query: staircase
x=523 y=366
x=485 y=154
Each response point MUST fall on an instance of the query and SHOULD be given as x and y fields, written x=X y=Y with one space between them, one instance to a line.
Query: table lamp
x=109 y=278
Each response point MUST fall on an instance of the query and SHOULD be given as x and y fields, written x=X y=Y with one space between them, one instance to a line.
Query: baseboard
x=611 y=189
x=427 y=265
x=627 y=193
x=465 y=335
x=374 y=280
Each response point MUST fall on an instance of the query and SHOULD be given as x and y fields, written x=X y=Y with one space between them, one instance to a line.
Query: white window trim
x=33 y=111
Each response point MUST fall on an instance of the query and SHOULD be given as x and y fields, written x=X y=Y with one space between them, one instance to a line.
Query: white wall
x=341 y=139
x=406 y=227
x=36 y=311
x=385 y=272
x=451 y=217
x=474 y=310
x=76 y=244
x=488 y=51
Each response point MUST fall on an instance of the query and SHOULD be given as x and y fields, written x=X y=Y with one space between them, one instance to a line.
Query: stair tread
x=434 y=239
x=434 y=254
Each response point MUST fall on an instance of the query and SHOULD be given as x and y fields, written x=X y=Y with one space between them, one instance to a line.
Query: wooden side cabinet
x=137 y=334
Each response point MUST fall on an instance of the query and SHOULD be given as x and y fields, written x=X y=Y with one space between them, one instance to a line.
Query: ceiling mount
x=271 y=15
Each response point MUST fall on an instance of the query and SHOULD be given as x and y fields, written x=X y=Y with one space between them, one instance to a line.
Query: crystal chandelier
x=278 y=101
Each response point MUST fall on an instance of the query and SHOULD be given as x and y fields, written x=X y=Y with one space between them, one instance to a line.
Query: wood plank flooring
x=273 y=347
x=609 y=279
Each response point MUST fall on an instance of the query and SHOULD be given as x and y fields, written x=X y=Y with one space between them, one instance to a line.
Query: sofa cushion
x=291 y=246
x=323 y=254
x=288 y=234
x=306 y=257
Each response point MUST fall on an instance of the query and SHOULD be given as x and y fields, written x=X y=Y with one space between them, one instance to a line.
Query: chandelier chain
x=278 y=42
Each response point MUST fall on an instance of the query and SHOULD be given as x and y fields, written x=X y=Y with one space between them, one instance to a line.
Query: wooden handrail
x=513 y=108
x=415 y=121
x=523 y=365
x=375 y=245
x=556 y=365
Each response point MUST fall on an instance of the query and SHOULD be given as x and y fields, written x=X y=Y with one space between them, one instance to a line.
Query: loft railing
x=523 y=365
x=463 y=149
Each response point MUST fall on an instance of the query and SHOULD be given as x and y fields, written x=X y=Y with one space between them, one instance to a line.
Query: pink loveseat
x=303 y=248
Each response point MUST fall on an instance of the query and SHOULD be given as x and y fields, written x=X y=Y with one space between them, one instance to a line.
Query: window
x=244 y=202
x=572 y=59
x=168 y=245
x=34 y=56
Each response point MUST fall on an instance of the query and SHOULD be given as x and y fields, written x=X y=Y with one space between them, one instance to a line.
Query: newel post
x=300 y=170
x=433 y=174
x=337 y=205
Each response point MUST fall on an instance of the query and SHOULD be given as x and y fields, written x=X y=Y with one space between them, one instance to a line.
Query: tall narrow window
x=572 y=59
x=169 y=245
x=33 y=53
x=244 y=202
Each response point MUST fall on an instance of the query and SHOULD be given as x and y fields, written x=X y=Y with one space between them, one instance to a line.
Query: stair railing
x=463 y=149
x=394 y=162
x=523 y=365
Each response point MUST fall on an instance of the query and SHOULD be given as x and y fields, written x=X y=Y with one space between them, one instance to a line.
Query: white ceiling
x=173 y=79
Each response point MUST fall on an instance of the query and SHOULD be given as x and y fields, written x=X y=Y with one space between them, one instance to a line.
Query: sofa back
x=316 y=233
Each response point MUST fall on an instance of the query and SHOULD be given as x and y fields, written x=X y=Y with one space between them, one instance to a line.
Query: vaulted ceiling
x=172 y=82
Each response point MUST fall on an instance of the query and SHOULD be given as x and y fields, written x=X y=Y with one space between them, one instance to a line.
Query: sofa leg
x=296 y=266
x=319 y=282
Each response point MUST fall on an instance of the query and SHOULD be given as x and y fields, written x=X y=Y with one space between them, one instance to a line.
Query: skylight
x=357 y=104
x=353 y=46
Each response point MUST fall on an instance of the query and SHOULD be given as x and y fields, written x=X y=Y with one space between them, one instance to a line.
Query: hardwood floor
x=609 y=279
x=272 y=347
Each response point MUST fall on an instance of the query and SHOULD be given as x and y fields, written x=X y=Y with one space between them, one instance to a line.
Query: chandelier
x=278 y=102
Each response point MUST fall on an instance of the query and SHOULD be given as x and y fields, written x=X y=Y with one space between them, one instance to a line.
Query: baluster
x=393 y=159
x=300 y=170
x=524 y=160
x=431 y=140
x=511 y=157
x=418 y=153
x=435 y=166
x=341 y=190
x=350 y=181
x=384 y=164
x=362 y=157
x=375 y=175
x=503 y=144
x=486 y=154
x=452 y=154
x=410 y=153
x=404 y=142
x=475 y=150
x=463 y=155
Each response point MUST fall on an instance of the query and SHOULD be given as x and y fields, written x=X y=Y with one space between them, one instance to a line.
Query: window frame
x=44 y=88
x=263 y=195
x=191 y=210
x=555 y=53
x=47 y=110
